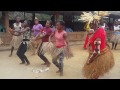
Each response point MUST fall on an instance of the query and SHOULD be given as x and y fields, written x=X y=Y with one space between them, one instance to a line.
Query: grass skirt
x=45 y=47
x=101 y=65
x=33 y=45
x=115 y=38
x=66 y=51
x=16 y=41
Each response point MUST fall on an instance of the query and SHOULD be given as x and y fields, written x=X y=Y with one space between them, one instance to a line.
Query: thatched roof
x=60 y=12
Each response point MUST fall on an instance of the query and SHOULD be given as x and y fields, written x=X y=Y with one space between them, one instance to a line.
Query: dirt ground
x=11 y=69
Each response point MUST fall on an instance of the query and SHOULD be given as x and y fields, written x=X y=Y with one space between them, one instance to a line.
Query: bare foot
x=44 y=64
x=10 y=55
x=58 y=71
x=22 y=63
x=48 y=64
x=61 y=73
x=33 y=54
x=27 y=64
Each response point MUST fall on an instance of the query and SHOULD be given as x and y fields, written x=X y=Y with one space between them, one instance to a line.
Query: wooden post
x=33 y=17
x=6 y=19
x=57 y=16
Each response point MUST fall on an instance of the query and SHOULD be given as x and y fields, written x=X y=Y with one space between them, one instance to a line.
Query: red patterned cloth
x=101 y=34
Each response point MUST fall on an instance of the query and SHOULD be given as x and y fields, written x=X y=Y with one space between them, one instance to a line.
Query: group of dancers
x=59 y=50
x=100 y=59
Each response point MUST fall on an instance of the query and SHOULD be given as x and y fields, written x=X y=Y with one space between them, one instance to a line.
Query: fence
x=73 y=36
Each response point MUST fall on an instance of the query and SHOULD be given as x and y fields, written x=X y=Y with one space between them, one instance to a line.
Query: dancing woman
x=61 y=48
x=23 y=46
x=36 y=29
x=16 y=40
x=116 y=35
x=43 y=48
x=100 y=59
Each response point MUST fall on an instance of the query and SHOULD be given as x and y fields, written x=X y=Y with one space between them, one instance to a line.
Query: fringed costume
x=103 y=61
x=100 y=59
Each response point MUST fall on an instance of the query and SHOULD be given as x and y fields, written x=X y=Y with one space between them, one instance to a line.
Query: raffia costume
x=102 y=57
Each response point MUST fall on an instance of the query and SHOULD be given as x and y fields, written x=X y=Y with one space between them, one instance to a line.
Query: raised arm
x=24 y=30
x=50 y=37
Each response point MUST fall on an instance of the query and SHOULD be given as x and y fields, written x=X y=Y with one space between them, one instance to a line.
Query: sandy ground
x=11 y=69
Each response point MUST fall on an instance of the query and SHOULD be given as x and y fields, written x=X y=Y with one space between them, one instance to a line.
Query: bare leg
x=115 y=46
x=12 y=48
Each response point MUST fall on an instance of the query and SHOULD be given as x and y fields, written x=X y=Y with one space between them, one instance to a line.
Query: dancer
x=36 y=29
x=100 y=59
x=61 y=48
x=43 y=48
x=23 y=46
x=16 y=40
x=116 y=35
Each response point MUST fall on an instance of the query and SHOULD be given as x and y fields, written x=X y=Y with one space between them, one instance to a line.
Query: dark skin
x=17 y=22
x=60 y=28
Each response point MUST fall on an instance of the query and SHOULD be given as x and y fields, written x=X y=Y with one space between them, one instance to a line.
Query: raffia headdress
x=90 y=17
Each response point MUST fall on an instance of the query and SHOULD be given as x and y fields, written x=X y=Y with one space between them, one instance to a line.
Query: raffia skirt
x=16 y=41
x=45 y=47
x=33 y=45
x=101 y=65
x=115 y=38
x=66 y=51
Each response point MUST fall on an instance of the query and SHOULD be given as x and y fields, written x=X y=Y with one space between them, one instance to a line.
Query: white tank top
x=17 y=27
x=116 y=27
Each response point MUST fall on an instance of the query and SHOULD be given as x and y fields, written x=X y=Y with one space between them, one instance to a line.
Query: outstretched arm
x=50 y=37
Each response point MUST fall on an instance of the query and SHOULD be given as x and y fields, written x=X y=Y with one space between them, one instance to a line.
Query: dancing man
x=100 y=59
x=61 y=48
